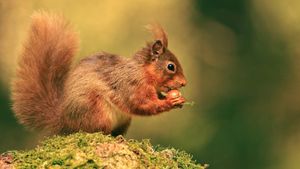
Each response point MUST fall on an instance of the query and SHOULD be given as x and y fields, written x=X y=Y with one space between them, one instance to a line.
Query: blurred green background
x=240 y=58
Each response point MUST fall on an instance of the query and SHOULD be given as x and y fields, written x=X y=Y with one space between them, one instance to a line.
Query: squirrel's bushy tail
x=43 y=67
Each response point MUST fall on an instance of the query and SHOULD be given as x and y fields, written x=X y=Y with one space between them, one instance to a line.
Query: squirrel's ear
x=161 y=40
x=157 y=49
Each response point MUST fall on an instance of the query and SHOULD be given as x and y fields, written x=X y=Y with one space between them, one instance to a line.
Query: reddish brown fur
x=43 y=67
x=101 y=93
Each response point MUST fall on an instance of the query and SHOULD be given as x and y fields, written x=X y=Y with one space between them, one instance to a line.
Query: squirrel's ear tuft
x=158 y=33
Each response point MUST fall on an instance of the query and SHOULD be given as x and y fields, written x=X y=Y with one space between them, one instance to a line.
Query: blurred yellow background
x=240 y=58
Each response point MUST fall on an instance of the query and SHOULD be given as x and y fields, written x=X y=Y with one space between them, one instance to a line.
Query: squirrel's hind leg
x=122 y=129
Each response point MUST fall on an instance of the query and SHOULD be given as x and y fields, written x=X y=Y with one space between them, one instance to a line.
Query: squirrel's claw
x=177 y=102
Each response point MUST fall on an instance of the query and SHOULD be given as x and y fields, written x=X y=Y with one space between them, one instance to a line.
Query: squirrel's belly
x=118 y=117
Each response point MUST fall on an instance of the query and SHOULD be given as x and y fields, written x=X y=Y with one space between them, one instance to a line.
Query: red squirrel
x=101 y=93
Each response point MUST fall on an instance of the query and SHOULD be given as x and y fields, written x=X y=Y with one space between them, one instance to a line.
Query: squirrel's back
x=43 y=67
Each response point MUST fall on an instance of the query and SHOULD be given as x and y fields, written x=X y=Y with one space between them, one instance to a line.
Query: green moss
x=83 y=150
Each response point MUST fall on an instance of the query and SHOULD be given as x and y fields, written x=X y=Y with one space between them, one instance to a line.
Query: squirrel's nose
x=182 y=82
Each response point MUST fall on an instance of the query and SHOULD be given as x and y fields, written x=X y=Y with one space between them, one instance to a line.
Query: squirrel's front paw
x=175 y=99
x=177 y=102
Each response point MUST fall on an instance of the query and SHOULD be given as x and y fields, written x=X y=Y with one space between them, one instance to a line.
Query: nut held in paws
x=173 y=94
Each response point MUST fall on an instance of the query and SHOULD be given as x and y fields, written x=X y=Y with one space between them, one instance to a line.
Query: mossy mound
x=83 y=150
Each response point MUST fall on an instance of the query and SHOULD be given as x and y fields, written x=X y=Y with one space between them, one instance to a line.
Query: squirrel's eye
x=171 y=67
